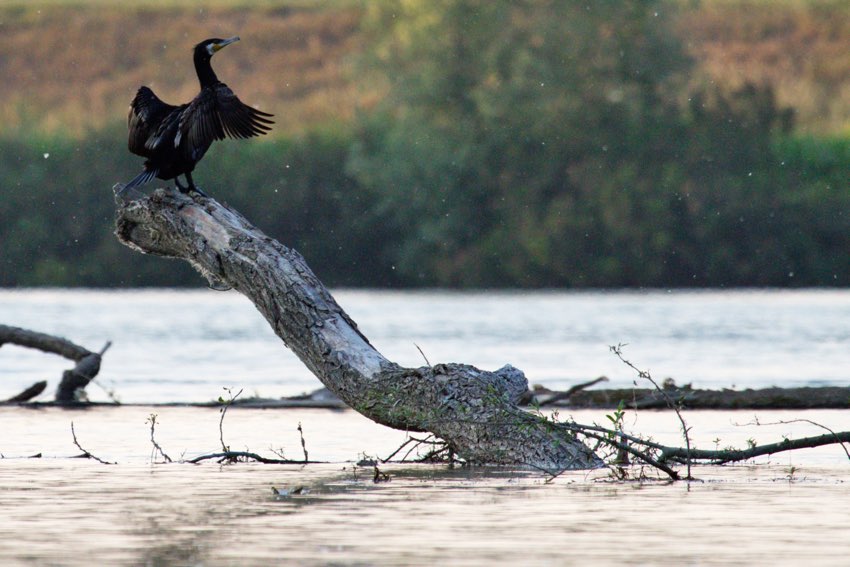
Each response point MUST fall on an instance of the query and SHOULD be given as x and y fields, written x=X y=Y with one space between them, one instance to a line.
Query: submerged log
x=474 y=411
x=824 y=397
x=73 y=381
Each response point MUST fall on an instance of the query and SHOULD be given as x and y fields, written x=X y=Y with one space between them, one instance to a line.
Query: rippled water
x=187 y=345
x=59 y=510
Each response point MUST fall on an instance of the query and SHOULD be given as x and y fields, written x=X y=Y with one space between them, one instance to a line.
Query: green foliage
x=616 y=419
x=520 y=144
x=56 y=215
x=551 y=144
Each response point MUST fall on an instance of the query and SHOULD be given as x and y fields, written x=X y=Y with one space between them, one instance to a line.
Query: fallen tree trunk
x=474 y=411
x=73 y=381
x=822 y=397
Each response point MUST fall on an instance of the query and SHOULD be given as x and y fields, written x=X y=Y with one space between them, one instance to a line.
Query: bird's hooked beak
x=224 y=43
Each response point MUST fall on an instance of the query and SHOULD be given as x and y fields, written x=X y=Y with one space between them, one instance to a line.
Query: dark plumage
x=175 y=138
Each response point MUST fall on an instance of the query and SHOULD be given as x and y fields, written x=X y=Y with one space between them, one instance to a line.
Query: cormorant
x=175 y=138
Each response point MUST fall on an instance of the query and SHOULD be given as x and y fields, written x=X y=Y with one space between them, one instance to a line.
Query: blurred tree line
x=522 y=143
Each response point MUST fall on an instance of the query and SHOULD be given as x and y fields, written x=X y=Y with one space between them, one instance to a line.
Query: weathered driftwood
x=28 y=393
x=474 y=411
x=73 y=381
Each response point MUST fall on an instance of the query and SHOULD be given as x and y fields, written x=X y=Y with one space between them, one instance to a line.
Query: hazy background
x=453 y=143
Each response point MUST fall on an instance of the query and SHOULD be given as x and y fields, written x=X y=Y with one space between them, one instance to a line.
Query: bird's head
x=209 y=47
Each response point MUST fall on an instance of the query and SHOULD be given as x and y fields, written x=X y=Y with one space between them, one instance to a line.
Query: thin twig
x=400 y=447
x=156 y=447
x=802 y=420
x=279 y=452
x=303 y=445
x=86 y=454
x=436 y=455
x=423 y=354
x=618 y=350
x=109 y=391
x=641 y=455
x=410 y=439
x=557 y=397
x=223 y=411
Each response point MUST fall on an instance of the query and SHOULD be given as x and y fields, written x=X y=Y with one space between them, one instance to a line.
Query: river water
x=186 y=345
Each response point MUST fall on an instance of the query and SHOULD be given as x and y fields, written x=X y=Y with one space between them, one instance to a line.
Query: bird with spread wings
x=175 y=138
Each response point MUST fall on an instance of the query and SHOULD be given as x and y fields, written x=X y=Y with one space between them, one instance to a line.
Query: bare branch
x=86 y=454
x=156 y=447
x=303 y=445
x=572 y=390
x=734 y=455
x=234 y=456
x=223 y=411
x=802 y=420
x=618 y=350
x=423 y=354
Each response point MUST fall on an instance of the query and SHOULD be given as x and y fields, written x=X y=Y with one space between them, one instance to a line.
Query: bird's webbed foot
x=192 y=187
x=196 y=189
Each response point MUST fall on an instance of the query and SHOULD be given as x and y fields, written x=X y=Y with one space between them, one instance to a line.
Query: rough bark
x=474 y=411
x=73 y=381
x=643 y=398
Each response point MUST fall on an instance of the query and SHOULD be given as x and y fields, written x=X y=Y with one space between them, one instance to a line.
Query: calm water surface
x=58 y=510
x=180 y=345
x=187 y=345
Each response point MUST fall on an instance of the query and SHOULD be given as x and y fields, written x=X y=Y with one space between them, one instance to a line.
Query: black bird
x=175 y=138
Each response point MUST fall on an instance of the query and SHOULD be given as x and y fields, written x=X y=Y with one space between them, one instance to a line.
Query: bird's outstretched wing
x=145 y=121
x=238 y=119
x=215 y=113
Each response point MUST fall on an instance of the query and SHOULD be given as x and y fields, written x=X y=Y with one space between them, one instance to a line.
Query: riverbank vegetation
x=453 y=143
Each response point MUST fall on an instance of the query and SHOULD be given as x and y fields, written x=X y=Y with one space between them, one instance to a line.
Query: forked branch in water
x=74 y=380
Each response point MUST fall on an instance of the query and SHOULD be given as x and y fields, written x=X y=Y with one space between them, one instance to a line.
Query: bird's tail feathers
x=143 y=178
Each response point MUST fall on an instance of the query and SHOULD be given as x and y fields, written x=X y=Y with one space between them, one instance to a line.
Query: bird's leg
x=192 y=186
x=180 y=187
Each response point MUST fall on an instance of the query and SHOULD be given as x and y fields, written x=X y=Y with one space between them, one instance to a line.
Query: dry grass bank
x=68 y=65
x=799 y=47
